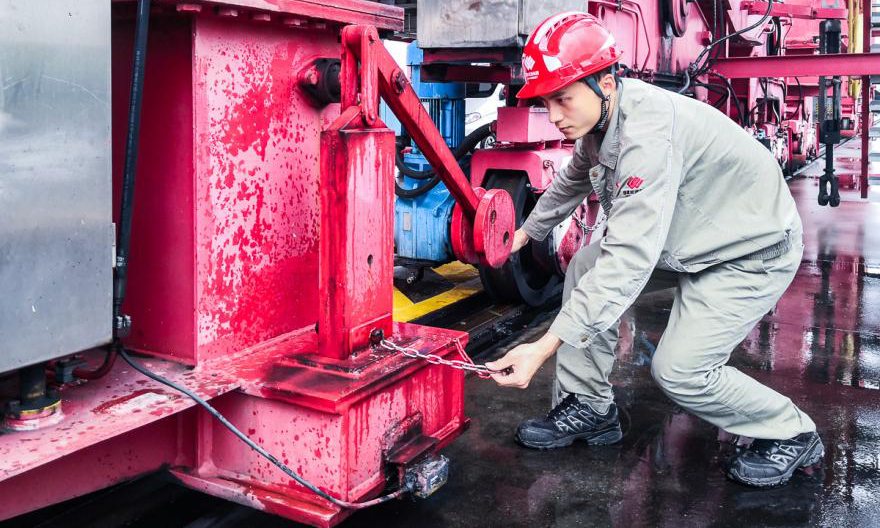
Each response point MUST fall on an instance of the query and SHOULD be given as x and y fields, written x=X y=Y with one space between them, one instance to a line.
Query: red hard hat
x=564 y=48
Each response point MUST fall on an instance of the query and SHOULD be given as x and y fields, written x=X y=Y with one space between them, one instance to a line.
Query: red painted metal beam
x=843 y=64
x=483 y=232
x=341 y=11
x=794 y=11
x=361 y=43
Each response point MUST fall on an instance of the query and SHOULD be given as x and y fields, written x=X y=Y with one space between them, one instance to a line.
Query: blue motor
x=423 y=208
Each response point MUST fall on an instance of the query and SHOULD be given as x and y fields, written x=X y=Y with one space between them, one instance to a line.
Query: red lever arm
x=379 y=74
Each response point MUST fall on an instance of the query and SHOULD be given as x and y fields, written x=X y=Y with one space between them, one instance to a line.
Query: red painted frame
x=258 y=214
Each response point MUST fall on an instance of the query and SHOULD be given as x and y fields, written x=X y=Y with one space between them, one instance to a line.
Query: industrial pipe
x=121 y=324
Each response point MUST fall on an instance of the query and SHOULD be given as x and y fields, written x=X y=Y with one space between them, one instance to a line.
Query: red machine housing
x=772 y=68
x=261 y=271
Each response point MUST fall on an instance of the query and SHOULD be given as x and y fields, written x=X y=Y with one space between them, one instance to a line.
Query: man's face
x=576 y=109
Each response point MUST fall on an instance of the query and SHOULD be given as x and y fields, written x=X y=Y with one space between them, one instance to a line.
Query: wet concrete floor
x=820 y=346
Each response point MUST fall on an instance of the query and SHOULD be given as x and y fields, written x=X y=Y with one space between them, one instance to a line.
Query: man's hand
x=525 y=359
x=520 y=238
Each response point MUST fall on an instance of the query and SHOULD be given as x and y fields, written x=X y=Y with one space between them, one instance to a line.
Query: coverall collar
x=609 y=151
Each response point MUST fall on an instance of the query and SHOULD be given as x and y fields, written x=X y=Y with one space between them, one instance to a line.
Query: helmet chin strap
x=603 y=116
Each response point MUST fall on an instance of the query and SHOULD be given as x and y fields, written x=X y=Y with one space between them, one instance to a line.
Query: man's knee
x=677 y=378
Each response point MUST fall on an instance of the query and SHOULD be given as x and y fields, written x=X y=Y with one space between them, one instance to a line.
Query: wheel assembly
x=676 y=12
x=523 y=278
x=535 y=272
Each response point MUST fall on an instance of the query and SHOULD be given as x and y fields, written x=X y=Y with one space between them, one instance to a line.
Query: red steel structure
x=261 y=271
x=261 y=267
x=764 y=77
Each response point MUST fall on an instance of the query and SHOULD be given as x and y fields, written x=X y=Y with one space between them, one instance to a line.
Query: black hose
x=693 y=67
x=717 y=19
x=106 y=365
x=713 y=56
x=417 y=191
x=253 y=445
x=126 y=207
x=718 y=89
x=468 y=144
x=736 y=101
x=406 y=170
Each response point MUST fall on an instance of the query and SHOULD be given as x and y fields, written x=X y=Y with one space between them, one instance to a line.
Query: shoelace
x=560 y=409
x=764 y=446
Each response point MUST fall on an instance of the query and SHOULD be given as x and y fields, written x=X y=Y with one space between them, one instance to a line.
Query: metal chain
x=461 y=364
x=587 y=229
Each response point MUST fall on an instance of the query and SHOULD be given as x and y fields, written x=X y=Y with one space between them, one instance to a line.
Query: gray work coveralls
x=693 y=202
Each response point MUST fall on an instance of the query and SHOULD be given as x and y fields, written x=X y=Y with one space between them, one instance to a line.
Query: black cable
x=759 y=103
x=468 y=144
x=774 y=39
x=106 y=365
x=717 y=89
x=711 y=45
x=244 y=438
x=123 y=245
x=718 y=30
x=764 y=82
x=736 y=101
x=408 y=171
x=417 y=191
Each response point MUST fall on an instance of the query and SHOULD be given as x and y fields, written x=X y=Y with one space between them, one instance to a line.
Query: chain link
x=465 y=363
x=587 y=229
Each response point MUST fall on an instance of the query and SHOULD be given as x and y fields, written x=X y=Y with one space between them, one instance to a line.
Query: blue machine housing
x=421 y=224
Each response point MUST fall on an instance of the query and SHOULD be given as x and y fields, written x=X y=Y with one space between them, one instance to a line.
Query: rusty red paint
x=104 y=407
x=356 y=257
x=228 y=232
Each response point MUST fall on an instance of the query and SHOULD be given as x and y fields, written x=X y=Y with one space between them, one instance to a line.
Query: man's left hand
x=525 y=359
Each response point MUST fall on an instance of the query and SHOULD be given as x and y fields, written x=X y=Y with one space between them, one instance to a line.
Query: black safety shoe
x=569 y=421
x=768 y=463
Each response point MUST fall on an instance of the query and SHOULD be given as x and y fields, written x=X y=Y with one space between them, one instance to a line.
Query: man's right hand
x=520 y=238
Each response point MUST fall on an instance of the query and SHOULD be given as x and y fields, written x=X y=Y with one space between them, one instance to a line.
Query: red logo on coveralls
x=632 y=185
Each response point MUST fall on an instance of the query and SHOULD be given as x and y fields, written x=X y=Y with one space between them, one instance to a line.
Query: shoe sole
x=604 y=438
x=810 y=457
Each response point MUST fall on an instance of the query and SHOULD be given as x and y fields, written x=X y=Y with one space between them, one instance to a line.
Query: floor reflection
x=820 y=346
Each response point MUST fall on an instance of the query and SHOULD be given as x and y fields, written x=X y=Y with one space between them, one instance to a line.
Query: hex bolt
x=400 y=82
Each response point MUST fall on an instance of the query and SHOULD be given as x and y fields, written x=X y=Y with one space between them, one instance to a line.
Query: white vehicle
x=482 y=110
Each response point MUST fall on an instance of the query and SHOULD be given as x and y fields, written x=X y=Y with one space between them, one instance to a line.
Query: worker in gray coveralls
x=693 y=202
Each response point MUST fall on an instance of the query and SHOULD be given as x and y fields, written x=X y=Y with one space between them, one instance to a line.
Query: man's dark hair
x=612 y=70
